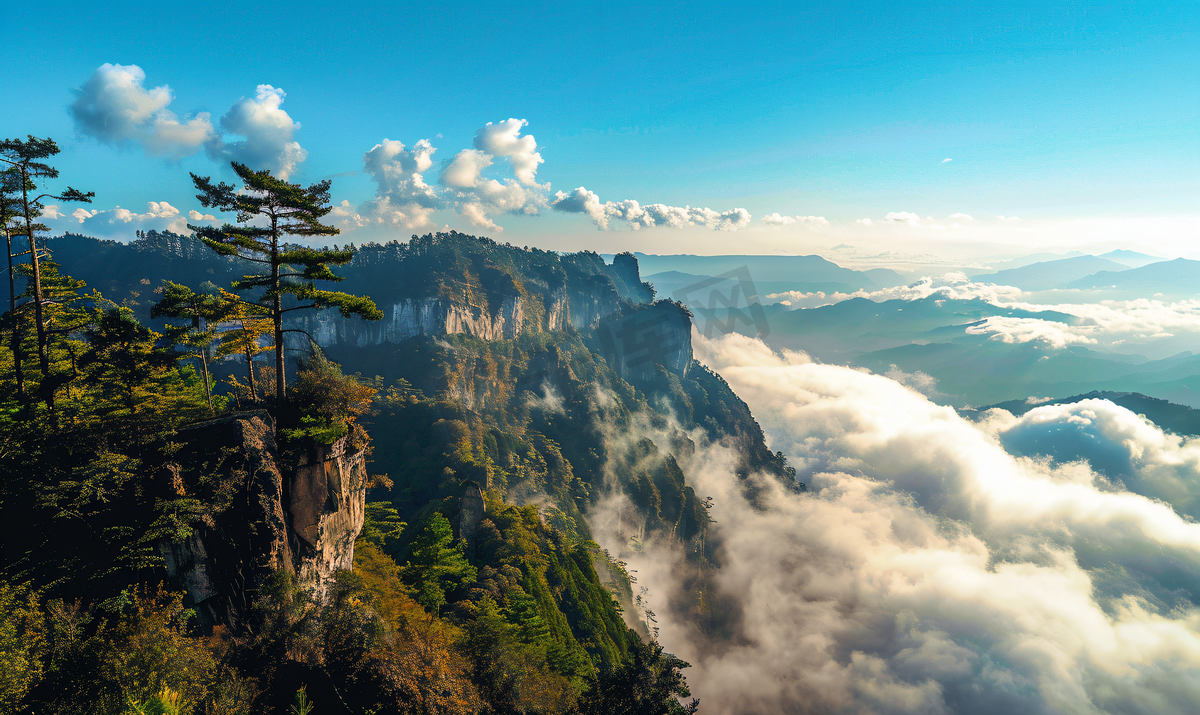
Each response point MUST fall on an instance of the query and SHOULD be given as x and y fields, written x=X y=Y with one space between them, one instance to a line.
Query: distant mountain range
x=771 y=274
x=1179 y=419
x=1178 y=276
x=1053 y=274
x=1133 y=259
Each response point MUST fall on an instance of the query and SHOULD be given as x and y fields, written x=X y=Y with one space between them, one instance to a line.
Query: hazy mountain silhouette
x=1053 y=274
x=1178 y=276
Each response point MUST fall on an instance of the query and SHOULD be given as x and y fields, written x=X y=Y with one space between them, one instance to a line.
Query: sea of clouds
x=1042 y=564
x=1157 y=327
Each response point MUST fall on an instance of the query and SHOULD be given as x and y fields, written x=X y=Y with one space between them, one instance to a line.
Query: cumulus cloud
x=776 y=219
x=504 y=139
x=865 y=221
x=404 y=198
x=907 y=217
x=464 y=170
x=121 y=223
x=960 y=217
x=268 y=132
x=930 y=570
x=637 y=216
x=114 y=107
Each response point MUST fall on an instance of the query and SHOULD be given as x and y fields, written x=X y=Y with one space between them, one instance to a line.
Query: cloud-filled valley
x=939 y=565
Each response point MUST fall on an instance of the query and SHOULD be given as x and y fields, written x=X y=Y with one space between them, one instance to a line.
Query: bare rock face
x=327 y=498
x=265 y=515
x=635 y=343
x=470 y=513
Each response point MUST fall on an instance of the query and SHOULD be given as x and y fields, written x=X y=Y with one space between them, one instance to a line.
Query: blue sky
x=1082 y=121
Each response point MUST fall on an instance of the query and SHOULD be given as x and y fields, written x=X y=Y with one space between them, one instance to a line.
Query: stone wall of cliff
x=300 y=516
x=636 y=342
x=589 y=293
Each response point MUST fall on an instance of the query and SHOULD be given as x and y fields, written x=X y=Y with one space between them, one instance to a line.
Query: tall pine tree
x=24 y=159
x=286 y=210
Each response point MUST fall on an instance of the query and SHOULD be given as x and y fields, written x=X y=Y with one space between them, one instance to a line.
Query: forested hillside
x=397 y=524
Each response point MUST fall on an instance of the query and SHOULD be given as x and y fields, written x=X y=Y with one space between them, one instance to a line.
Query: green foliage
x=649 y=683
x=288 y=210
x=22 y=645
x=301 y=706
x=139 y=657
x=202 y=311
x=437 y=563
x=325 y=401
x=382 y=526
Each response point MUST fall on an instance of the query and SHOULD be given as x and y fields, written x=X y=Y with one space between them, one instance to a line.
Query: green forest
x=203 y=511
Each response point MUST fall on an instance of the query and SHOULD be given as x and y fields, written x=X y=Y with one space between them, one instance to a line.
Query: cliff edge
x=300 y=514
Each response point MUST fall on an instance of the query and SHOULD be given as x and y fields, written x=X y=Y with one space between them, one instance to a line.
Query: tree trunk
x=250 y=372
x=43 y=348
x=207 y=385
x=277 y=313
x=15 y=341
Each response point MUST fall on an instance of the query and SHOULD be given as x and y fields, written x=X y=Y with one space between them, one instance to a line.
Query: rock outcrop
x=493 y=304
x=638 y=341
x=266 y=514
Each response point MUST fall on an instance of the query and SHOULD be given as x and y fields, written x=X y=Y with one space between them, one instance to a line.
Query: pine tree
x=23 y=158
x=437 y=564
x=203 y=311
x=288 y=210
x=10 y=214
x=251 y=323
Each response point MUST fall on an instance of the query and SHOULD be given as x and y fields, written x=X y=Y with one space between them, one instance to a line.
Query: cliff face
x=269 y=515
x=429 y=316
x=635 y=342
x=453 y=284
x=411 y=318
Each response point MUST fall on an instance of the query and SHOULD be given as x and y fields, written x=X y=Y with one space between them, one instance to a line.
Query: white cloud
x=1008 y=218
x=1051 y=333
x=637 y=216
x=907 y=217
x=115 y=108
x=268 y=132
x=960 y=217
x=403 y=198
x=1126 y=448
x=865 y=221
x=776 y=219
x=121 y=223
x=464 y=170
x=929 y=570
x=951 y=286
x=504 y=139
x=947 y=160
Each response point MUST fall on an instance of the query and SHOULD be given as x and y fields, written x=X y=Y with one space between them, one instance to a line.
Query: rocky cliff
x=270 y=512
x=635 y=342
x=453 y=284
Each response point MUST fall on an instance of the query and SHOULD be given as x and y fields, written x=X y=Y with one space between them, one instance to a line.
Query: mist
x=1042 y=564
